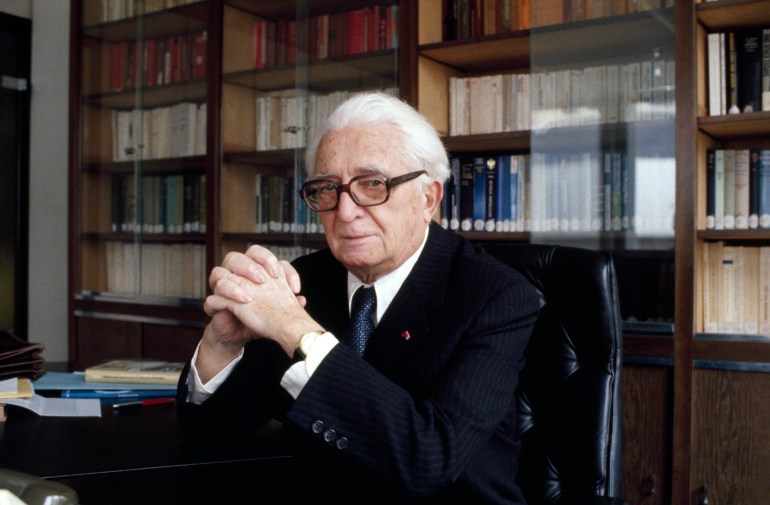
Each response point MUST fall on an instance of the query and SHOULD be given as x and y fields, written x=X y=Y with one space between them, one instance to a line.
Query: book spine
x=490 y=213
x=753 y=188
x=479 y=193
x=766 y=69
x=729 y=211
x=710 y=189
x=742 y=171
x=748 y=45
x=764 y=188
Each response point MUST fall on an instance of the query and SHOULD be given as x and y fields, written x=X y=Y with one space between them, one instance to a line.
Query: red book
x=356 y=31
x=199 y=55
x=259 y=43
x=117 y=64
x=372 y=30
x=150 y=62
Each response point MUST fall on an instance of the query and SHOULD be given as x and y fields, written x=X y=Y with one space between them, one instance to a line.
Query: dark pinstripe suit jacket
x=429 y=411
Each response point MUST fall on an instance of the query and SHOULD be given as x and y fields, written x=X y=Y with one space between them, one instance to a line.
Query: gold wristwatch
x=304 y=344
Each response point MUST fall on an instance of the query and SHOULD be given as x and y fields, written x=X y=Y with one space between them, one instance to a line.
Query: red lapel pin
x=405 y=335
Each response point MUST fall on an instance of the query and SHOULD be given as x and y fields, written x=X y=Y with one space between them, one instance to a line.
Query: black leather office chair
x=569 y=397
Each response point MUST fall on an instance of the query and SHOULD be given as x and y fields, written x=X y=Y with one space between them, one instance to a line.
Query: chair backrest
x=569 y=396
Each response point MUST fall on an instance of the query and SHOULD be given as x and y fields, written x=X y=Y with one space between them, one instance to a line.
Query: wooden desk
x=138 y=456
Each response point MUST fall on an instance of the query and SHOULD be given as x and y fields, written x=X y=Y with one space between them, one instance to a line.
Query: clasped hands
x=254 y=296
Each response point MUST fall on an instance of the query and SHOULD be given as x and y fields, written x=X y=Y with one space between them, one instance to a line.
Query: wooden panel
x=102 y=339
x=731 y=437
x=647 y=407
x=171 y=343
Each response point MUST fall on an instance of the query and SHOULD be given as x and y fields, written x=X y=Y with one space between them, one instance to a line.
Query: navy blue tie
x=361 y=321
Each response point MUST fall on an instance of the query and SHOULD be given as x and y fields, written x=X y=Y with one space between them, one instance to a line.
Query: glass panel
x=285 y=67
x=143 y=132
x=601 y=163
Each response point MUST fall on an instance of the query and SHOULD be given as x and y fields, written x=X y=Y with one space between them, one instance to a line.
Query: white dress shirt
x=299 y=373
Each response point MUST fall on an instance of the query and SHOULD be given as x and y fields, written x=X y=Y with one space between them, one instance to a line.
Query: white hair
x=420 y=144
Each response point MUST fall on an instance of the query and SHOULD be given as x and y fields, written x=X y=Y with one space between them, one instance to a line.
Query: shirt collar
x=387 y=286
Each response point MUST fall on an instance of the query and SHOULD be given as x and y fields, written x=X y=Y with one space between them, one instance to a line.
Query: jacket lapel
x=405 y=323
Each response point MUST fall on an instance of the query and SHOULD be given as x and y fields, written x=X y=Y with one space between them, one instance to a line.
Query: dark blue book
x=764 y=188
x=479 y=193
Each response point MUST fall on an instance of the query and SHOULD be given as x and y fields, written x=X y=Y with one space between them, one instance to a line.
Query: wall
x=48 y=171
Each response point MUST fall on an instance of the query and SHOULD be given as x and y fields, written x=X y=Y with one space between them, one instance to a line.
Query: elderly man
x=391 y=357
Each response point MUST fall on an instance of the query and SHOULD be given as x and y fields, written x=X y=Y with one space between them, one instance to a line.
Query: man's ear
x=433 y=194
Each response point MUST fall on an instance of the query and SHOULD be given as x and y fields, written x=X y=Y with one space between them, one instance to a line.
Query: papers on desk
x=23 y=396
x=58 y=407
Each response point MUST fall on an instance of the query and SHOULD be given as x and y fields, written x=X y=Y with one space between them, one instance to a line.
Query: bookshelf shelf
x=154 y=96
x=188 y=164
x=352 y=71
x=729 y=14
x=736 y=126
x=191 y=17
x=735 y=235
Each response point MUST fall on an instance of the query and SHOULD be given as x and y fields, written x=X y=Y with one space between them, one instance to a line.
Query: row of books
x=463 y=19
x=157 y=61
x=736 y=289
x=738 y=71
x=737 y=189
x=287 y=41
x=586 y=192
x=115 y=10
x=163 y=132
x=594 y=95
x=158 y=204
x=153 y=269
x=286 y=120
x=280 y=209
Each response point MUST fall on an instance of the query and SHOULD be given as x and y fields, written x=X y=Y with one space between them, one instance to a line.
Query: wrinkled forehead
x=357 y=150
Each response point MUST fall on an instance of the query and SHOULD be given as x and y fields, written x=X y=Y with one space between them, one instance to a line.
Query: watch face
x=307 y=341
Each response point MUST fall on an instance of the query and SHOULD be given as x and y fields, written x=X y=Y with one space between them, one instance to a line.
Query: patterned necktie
x=361 y=322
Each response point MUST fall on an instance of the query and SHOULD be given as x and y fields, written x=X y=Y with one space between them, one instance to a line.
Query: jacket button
x=342 y=443
x=329 y=435
x=317 y=427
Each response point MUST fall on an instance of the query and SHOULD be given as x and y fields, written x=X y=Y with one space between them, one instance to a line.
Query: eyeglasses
x=365 y=190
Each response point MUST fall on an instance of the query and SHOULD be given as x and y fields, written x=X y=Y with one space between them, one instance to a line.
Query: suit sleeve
x=247 y=400
x=422 y=444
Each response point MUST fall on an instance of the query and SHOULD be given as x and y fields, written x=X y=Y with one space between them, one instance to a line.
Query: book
x=729 y=209
x=710 y=189
x=748 y=48
x=753 y=188
x=766 y=69
x=138 y=371
x=715 y=44
x=742 y=188
x=731 y=76
x=764 y=188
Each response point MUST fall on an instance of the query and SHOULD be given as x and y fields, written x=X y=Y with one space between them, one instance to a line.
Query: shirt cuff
x=299 y=373
x=198 y=392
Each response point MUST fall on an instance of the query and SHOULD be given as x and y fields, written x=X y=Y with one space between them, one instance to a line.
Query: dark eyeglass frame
x=345 y=188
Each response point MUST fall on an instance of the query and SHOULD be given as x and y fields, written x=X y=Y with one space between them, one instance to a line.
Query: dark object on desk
x=19 y=358
x=569 y=397
x=34 y=491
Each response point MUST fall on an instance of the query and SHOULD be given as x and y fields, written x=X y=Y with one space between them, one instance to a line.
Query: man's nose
x=346 y=207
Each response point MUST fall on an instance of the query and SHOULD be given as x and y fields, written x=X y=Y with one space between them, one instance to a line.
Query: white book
x=715 y=71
